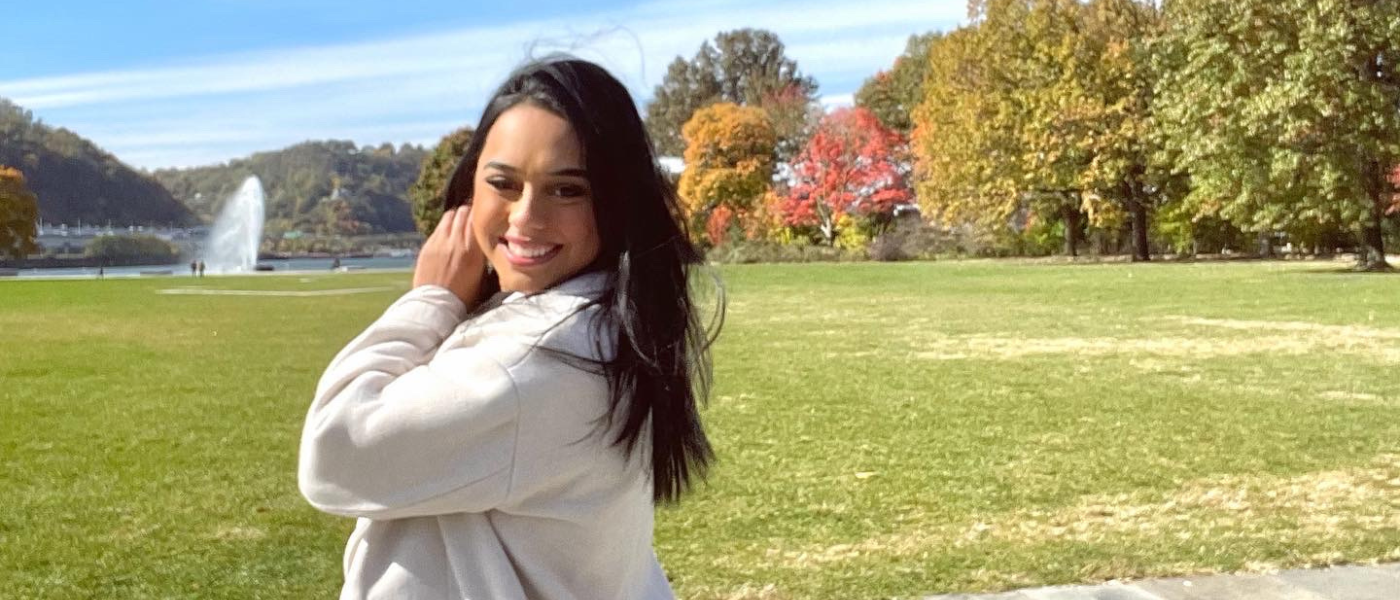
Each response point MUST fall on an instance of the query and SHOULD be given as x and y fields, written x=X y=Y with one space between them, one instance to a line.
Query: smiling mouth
x=524 y=255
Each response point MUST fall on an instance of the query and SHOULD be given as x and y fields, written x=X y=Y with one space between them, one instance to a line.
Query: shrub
x=744 y=252
x=124 y=248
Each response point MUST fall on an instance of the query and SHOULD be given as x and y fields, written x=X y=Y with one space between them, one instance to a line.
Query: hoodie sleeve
x=394 y=432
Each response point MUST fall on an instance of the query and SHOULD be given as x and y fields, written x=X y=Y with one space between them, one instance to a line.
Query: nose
x=528 y=213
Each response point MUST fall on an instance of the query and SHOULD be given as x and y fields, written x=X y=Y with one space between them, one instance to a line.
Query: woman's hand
x=451 y=258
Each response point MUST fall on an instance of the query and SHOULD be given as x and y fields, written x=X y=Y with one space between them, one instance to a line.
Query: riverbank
x=293 y=265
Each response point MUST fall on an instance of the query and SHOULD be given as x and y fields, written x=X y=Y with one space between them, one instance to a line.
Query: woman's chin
x=515 y=281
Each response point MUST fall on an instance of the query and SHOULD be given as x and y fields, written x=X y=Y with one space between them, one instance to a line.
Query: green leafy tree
x=19 y=209
x=428 y=193
x=1284 y=112
x=1039 y=111
x=1129 y=172
x=893 y=94
x=992 y=152
x=958 y=155
x=747 y=67
x=373 y=181
x=119 y=249
x=1049 y=60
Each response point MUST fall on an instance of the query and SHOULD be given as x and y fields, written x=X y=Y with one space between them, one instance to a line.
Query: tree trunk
x=1071 y=216
x=1141 y=252
x=1098 y=241
x=1137 y=213
x=826 y=224
x=1266 y=245
x=1371 y=255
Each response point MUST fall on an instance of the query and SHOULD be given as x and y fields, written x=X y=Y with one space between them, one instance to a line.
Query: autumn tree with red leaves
x=852 y=167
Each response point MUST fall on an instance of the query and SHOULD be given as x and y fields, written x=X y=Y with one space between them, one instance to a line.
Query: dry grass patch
x=1288 y=338
x=237 y=533
x=1313 y=506
x=1010 y=348
x=1314 y=329
x=1342 y=395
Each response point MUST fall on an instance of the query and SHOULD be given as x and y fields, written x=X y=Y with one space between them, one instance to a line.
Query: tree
x=19 y=209
x=893 y=94
x=338 y=216
x=428 y=193
x=1285 y=112
x=745 y=66
x=794 y=115
x=1129 y=169
x=853 y=166
x=374 y=181
x=1040 y=111
x=126 y=249
x=1047 y=59
x=78 y=181
x=728 y=161
x=687 y=87
x=978 y=162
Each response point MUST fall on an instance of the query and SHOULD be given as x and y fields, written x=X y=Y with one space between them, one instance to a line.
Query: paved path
x=1338 y=583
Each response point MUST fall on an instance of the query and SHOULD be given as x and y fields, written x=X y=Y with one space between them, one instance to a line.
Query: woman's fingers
x=442 y=225
x=451 y=233
x=450 y=258
x=463 y=226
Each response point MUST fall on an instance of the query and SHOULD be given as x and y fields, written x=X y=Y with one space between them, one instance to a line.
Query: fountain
x=233 y=243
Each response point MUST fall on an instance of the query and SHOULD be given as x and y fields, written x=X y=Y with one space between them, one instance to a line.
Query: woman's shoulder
x=559 y=306
x=566 y=318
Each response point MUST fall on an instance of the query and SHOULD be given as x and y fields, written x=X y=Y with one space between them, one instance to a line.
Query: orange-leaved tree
x=729 y=157
x=19 y=209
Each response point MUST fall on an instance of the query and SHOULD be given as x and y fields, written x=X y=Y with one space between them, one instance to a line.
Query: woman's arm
x=393 y=434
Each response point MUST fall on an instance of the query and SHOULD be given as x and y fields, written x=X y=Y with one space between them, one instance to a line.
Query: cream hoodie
x=473 y=462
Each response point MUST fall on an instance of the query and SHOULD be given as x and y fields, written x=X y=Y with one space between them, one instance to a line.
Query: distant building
x=62 y=238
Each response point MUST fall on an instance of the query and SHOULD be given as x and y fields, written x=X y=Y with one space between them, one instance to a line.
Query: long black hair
x=661 y=368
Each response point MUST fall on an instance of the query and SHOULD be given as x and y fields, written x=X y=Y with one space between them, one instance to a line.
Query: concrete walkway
x=1337 y=583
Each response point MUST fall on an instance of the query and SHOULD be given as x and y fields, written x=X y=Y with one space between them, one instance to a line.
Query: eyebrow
x=565 y=172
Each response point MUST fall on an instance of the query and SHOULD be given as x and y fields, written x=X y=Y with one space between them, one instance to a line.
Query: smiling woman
x=535 y=220
x=534 y=395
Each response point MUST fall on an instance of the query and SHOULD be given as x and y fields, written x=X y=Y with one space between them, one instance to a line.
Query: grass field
x=883 y=429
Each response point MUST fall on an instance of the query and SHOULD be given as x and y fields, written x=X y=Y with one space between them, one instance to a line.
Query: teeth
x=529 y=251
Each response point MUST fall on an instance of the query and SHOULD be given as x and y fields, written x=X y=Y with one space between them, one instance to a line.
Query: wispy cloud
x=417 y=88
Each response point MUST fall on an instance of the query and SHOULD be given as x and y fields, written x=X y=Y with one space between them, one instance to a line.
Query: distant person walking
x=194 y=266
x=201 y=268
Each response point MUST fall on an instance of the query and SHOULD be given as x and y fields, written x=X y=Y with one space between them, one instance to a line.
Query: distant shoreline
x=88 y=262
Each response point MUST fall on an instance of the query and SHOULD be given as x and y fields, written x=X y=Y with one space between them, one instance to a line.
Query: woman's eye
x=502 y=185
x=570 y=191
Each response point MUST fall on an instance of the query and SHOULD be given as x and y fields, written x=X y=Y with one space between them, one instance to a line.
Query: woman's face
x=532 y=208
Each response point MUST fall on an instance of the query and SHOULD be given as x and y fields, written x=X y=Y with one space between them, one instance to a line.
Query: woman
x=512 y=444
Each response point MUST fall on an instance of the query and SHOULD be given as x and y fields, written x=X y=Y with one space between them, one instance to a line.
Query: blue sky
x=164 y=83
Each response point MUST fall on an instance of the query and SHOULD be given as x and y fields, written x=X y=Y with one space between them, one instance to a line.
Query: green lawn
x=883 y=430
